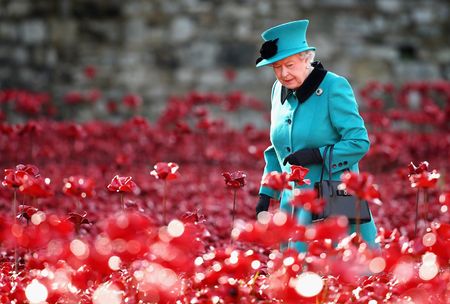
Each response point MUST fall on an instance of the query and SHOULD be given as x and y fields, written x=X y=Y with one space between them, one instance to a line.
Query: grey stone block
x=33 y=31
x=182 y=29
x=8 y=31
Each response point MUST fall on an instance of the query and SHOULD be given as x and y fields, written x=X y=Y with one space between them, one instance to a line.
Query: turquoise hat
x=283 y=41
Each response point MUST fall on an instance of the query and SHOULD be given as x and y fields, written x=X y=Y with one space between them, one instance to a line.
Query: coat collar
x=309 y=86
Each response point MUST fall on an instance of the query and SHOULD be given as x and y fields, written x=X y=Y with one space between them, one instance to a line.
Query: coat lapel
x=308 y=87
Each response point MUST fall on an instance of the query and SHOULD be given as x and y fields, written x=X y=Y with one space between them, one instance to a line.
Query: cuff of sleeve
x=269 y=192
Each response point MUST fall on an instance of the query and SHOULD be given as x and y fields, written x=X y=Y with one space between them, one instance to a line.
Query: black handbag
x=337 y=201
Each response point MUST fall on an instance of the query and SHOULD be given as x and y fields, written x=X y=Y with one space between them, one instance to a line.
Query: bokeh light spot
x=342 y=221
x=279 y=218
x=38 y=218
x=429 y=239
x=288 y=261
x=256 y=264
x=404 y=271
x=295 y=268
x=79 y=249
x=36 y=292
x=264 y=217
x=103 y=245
x=107 y=293
x=308 y=284
x=175 y=228
x=216 y=267
x=377 y=265
x=198 y=261
x=114 y=262
x=122 y=221
x=428 y=272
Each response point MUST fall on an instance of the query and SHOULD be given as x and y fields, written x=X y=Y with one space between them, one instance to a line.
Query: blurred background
x=149 y=50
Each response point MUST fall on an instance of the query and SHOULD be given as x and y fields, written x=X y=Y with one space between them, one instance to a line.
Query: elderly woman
x=311 y=109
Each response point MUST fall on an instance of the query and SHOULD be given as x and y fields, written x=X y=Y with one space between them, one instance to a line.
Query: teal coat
x=326 y=114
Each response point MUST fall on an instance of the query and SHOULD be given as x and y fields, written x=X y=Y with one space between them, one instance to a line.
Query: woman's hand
x=304 y=157
x=263 y=204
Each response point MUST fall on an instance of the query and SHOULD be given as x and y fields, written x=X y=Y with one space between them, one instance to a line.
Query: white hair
x=310 y=54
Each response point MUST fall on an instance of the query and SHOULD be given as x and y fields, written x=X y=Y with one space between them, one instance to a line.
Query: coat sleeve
x=271 y=159
x=272 y=164
x=345 y=118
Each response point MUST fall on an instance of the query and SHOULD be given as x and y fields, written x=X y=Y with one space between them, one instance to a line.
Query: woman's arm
x=345 y=118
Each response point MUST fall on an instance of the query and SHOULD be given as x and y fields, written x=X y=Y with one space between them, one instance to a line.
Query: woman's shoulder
x=335 y=80
x=331 y=76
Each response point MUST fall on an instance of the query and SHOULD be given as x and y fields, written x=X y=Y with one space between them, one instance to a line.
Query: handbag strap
x=330 y=161
x=323 y=161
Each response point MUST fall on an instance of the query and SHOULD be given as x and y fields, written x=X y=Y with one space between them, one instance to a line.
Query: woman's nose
x=284 y=72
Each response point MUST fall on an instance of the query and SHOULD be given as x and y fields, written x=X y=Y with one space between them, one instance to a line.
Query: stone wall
x=157 y=48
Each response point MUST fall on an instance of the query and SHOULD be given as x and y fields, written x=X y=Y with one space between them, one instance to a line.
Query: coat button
x=288 y=149
x=289 y=121
x=334 y=166
x=345 y=162
x=340 y=164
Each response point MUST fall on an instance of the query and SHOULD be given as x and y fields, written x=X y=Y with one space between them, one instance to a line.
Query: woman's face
x=291 y=71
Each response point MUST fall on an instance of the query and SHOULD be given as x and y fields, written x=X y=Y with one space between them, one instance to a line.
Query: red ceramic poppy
x=26 y=212
x=78 y=219
x=422 y=167
x=424 y=179
x=132 y=101
x=74 y=97
x=276 y=181
x=361 y=185
x=122 y=184
x=165 y=171
x=234 y=180
x=90 y=71
x=14 y=178
x=298 y=174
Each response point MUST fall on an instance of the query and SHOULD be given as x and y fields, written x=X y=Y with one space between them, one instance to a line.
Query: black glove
x=263 y=203
x=304 y=157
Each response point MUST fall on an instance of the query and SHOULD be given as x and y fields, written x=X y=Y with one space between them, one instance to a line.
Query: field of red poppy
x=164 y=212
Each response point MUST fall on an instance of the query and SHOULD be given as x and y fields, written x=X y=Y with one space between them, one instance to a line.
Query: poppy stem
x=14 y=204
x=427 y=210
x=16 y=253
x=324 y=292
x=164 y=202
x=293 y=217
x=121 y=201
x=417 y=212
x=233 y=212
x=253 y=280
